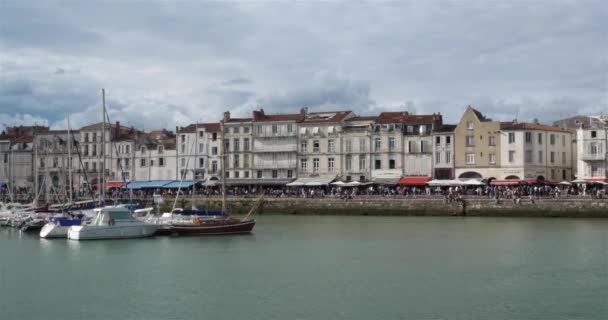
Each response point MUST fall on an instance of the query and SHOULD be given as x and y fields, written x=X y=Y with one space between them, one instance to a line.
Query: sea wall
x=413 y=207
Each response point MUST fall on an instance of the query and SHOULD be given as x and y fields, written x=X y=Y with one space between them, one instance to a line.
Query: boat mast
x=101 y=183
x=70 y=181
x=222 y=170
x=35 y=163
x=194 y=164
x=132 y=177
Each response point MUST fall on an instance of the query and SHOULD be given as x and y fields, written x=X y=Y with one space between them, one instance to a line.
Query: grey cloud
x=329 y=92
x=237 y=81
x=506 y=58
x=16 y=87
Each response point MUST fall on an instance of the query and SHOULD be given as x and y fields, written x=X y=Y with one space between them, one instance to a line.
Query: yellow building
x=477 y=146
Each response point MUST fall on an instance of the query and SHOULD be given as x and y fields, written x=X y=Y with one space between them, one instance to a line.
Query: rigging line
x=182 y=178
x=122 y=172
x=77 y=146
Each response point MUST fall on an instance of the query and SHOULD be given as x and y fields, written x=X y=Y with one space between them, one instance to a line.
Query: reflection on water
x=74 y=246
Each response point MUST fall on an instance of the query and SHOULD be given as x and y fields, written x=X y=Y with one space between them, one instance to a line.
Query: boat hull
x=32 y=227
x=93 y=232
x=212 y=228
x=52 y=230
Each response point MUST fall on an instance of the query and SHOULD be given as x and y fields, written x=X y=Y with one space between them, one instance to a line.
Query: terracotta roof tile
x=209 y=127
x=445 y=128
x=330 y=116
x=260 y=116
x=407 y=118
x=363 y=118
x=99 y=125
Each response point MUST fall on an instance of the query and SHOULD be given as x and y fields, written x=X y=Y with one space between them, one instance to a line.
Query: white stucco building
x=592 y=152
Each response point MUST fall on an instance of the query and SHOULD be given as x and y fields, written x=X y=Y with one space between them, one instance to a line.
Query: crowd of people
x=451 y=194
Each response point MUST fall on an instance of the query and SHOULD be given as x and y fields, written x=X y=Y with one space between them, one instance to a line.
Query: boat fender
x=111 y=222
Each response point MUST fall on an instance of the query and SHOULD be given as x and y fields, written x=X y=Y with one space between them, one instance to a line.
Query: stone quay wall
x=411 y=207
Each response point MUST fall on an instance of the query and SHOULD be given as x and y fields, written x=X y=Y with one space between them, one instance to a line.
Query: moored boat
x=214 y=226
x=58 y=227
x=112 y=223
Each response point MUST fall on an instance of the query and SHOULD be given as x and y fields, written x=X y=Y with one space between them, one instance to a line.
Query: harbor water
x=319 y=267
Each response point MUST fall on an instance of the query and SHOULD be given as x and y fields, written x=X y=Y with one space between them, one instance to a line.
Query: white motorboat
x=58 y=227
x=112 y=223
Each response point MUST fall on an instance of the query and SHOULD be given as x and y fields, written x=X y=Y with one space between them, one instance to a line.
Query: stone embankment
x=573 y=207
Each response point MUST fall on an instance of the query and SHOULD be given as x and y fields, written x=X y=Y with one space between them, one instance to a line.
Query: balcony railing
x=276 y=134
x=275 y=165
x=593 y=156
x=275 y=148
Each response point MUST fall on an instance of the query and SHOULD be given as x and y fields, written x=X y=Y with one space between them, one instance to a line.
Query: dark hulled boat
x=214 y=226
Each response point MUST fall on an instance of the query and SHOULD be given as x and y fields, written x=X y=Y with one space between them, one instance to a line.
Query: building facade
x=17 y=159
x=477 y=147
x=275 y=148
x=592 y=150
x=321 y=151
x=356 y=148
x=443 y=152
x=486 y=149
x=532 y=151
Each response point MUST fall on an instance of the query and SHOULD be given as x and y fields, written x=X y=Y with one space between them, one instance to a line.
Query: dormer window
x=161 y=149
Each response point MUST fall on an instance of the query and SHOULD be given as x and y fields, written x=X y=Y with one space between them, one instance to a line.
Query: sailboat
x=219 y=224
x=110 y=222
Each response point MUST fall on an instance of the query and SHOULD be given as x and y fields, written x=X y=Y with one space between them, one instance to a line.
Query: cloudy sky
x=173 y=63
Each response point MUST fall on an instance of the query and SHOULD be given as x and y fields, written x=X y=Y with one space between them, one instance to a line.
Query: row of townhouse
x=487 y=149
x=323 y=146
x=311 y=146
x=275 y=149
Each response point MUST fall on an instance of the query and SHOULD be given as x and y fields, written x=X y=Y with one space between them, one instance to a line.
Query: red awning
x=592 y=180
x=513 y=182
x=413 y=181
x=111 y=184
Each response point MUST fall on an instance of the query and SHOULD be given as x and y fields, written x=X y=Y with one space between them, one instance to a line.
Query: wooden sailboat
x=217 y=225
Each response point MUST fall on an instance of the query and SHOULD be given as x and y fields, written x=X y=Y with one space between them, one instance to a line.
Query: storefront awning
x=179 y=184
x=413 y=181
x=512 y=182
x=445 y=183
x=386 y=181
x=115 y=184
x=595 y=180
x=147 y=184
x=211 y=183
x=257 y=182
x=311 y=182
x=110 y=184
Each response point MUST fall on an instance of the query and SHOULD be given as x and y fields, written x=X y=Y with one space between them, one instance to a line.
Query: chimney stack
x=117 y=130
x=226 y=116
